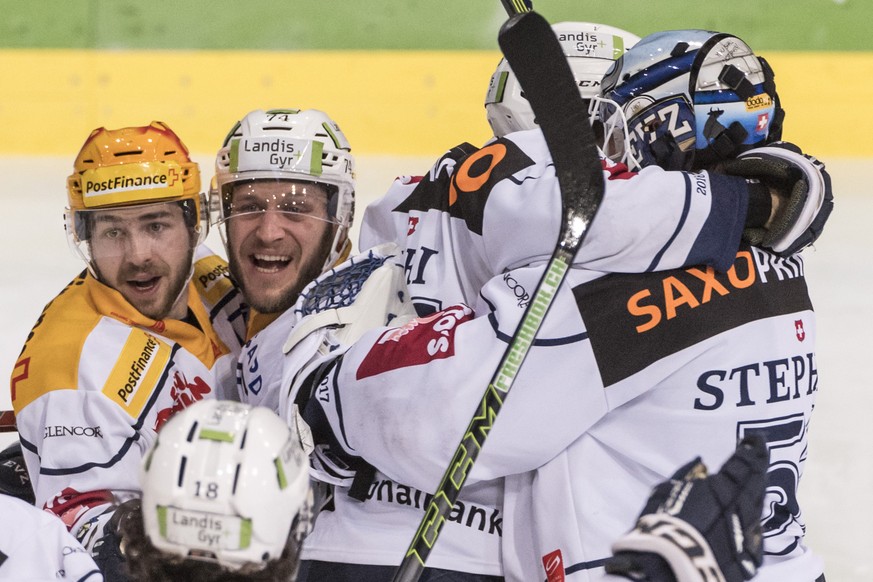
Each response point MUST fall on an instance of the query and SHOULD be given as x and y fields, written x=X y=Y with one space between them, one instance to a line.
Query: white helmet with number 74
x=289 y=144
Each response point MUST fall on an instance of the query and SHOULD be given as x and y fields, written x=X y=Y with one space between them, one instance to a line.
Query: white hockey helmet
x=289 y=144
x=225 y=483
x=590 y=49
x=684 y=99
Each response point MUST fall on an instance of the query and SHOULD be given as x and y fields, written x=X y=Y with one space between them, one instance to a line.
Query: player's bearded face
x=276 y=247
x=145 y=253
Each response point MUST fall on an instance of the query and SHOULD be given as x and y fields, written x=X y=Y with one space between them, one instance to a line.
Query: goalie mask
x=283 y=145
x=685 y=99
x=590 y=49
x=228 y=483
x=118 y=174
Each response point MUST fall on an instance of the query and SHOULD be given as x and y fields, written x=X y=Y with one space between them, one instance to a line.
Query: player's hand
x=804 y=198
x=696 y=527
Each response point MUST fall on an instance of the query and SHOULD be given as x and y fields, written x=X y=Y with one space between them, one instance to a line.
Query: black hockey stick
x=517 y=6
x=535 y=56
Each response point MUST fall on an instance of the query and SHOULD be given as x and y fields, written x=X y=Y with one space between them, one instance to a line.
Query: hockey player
x=226 y=497
x=357 y=539
x=284 y=186
x=151 y=326
x=285 y=219
x=715 y=352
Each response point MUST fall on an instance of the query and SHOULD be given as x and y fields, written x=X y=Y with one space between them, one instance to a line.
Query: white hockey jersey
x=39 y=547
x=96 y=379
x=365 y=530
x=631 y=376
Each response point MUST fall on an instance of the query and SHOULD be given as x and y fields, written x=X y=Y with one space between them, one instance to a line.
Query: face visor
x=246 y=200
x=95 y=234
x=283 y=175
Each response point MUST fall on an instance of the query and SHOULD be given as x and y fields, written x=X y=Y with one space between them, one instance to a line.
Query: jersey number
x=786 y=441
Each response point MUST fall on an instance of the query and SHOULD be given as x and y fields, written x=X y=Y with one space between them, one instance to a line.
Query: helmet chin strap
x=184 y=289
x=335 y=255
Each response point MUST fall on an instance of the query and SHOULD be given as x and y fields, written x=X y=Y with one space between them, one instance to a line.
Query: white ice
x=837 y=488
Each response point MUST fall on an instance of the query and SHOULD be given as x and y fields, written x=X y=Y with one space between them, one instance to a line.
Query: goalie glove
x=804 y=185
x=700 y=528
x=365 y=292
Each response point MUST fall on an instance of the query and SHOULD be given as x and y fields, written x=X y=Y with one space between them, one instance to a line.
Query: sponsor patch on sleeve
x=418 y=342
x=137 y=371
x=212 y=278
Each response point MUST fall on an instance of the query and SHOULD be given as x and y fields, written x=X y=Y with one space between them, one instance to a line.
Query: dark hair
x=147 y=563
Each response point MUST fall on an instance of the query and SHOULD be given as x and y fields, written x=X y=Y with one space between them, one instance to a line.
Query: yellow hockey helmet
x=128 y=167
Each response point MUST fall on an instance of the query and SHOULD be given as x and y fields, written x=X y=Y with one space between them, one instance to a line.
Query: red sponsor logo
x=184 y=394
x=413 y=223
x=799 y=331
x=553 y=562
x=418 y=342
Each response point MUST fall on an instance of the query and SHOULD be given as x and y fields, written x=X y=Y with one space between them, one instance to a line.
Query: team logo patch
x=184 y=394
x=418 y=342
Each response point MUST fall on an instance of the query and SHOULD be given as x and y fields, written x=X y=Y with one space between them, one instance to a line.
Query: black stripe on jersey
x=539 y=342
x=572 y=569
x=2 y=558
x=129 y=440
x=634 y=320
x=685 y=210
x=227 y=298
x=464 y=193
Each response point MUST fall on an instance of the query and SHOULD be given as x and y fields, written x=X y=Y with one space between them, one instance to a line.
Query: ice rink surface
x=837 y=488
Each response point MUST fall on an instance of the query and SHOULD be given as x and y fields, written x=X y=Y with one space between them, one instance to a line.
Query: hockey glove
x=14 y=479
x=700 y=528
x=805 y=186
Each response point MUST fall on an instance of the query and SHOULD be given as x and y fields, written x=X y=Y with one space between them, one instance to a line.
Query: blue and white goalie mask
x=685 y=99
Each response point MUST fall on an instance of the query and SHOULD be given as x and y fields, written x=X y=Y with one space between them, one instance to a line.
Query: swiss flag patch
x=418 y=342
